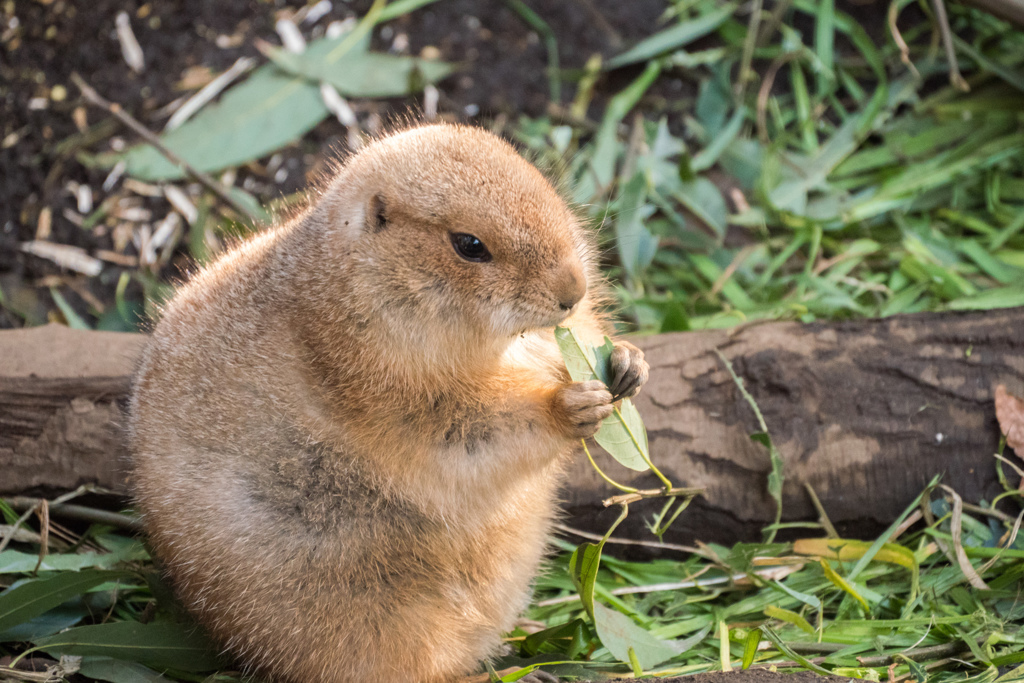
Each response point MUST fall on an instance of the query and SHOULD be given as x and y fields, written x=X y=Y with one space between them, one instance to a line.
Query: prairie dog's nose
x=570 y=286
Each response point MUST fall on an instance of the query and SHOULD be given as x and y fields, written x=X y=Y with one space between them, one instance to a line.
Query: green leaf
x=635 y=243
x=161 y=645
x=919 y=672
x=673 y=38
x=583 y=566
x=397 y=8
x=788 y=652
x=618 y=633
x=16 y=562
x=993 y=267
x=708 y=156
x=118 y=671
x=714 y=100
x=863 y=674
x=824 y=38
x=622 y=434
x=843 y=584
x=731 y=290
x=998 y=297
x=809 y=600
x=789 y=617
x=1009 y=75
x=251 y=203
x=360 y=74
x=576 y=630
x=776 y=475
x=34 y=597
x=675 y=319
x=606 y=141
x=55 y=620
x=581 y=359
x=750 y=644
x=266 y=112
x=705 y=201
x=74 y=320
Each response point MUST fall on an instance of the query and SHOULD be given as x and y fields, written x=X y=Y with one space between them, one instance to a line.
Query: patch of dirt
x=749 y=676
x=44 y=124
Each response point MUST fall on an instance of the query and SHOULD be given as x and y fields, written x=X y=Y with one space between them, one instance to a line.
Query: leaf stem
x=615 y=525
x=642 y=451
x=609 y=480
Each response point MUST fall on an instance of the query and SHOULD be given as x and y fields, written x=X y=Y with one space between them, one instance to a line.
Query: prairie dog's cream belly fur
x=348 y=431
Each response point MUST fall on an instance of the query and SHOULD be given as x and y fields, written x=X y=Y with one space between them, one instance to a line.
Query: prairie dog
x=348 y=431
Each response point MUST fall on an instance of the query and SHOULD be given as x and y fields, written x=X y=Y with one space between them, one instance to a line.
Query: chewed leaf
x=622 y=433
x=580 y=359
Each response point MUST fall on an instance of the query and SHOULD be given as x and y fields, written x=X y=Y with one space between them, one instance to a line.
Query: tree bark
x=865 y=412
x=61 y=408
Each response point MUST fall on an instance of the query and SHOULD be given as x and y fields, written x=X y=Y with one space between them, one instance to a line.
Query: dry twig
x=955 y=77
x=80 y=512
x=627 y=498
x=94 y=98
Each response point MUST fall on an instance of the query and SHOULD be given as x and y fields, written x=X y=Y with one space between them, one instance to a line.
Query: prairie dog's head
x=448 y=225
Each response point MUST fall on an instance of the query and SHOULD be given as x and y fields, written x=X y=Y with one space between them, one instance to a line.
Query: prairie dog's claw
x=629 y=370
x=582 y=406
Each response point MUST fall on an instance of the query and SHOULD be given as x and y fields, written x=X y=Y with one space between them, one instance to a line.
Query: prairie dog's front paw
x=629 y=370
x=581 y=406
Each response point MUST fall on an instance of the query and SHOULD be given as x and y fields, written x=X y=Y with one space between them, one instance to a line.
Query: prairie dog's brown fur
x=347 y=436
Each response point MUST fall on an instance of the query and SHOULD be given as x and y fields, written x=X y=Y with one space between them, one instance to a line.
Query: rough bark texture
x=865 y=412
x=60 y=408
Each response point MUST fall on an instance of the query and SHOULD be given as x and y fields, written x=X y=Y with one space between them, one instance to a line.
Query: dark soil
x=44 y=124
x=43 y=42
x=748 y=676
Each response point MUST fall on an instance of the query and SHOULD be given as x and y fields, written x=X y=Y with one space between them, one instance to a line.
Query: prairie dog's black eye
x=470 y=248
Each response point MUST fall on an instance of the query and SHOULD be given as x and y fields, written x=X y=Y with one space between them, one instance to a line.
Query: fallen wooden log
x=61 y=394
x=864 y=412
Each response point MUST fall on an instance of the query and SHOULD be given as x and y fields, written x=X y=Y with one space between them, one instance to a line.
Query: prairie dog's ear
x=376 y=214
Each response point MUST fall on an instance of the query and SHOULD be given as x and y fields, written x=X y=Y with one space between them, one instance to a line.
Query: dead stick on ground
x=947 y=42
x=627 y=498
x=94 y=98
x=79 y=512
